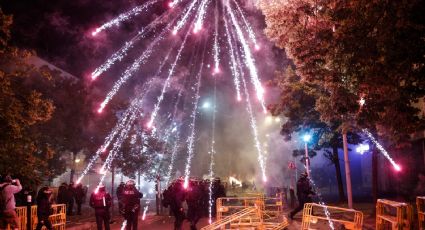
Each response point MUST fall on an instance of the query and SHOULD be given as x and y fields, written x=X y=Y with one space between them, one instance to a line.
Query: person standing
x=101 y=201
x=304 y=192
x=79 y=197
x=8 y=204
x=131 y=204
x=44 y=208
x=70 y=195
x=120 y=190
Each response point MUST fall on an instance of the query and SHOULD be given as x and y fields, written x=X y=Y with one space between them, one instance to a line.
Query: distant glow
x=277 y=119
x=306 y=137
x=362 y=148
x=234 y=181
x=78 y=160
x=206 y=105
x=382 y=150
x=362 y=101
x=264 y=178
x=269 y=119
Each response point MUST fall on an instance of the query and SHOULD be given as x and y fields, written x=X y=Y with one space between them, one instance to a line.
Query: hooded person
x=101 y=201
x=304 y=192
x=131 y=204
x=8 y=204
x=44 y=208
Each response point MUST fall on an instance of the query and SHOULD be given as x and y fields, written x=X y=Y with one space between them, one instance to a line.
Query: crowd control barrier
x=313 y=213
x=420 y=204
x=57 y=218
x=393 y=215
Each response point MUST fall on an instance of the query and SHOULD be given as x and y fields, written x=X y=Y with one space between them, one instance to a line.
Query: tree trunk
x=342 y=197
x=71 y=175
x=375 y=175
x=347 y=170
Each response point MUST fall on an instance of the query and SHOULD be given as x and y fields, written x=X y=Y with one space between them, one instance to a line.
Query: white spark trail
x=233 y=66
x=213 y=152
x=124 y=16
x=201 y=15
x=253 y=121
x=216 y=46
x=382 y=150
x=122 y=52
x=182 y=21
x=191 y=139
x=167 y=82
x=249 y=61
x=129 y=72
x=248 y=27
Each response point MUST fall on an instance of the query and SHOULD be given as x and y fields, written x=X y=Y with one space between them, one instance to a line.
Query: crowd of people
x=72 y=194
x=191 y=203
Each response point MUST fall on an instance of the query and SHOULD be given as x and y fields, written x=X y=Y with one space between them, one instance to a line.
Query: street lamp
x=362 y=148
x=307 y=138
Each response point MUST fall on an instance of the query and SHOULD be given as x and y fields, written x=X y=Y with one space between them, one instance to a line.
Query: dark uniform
x=304 y=191
x=101 y=202
x=71 y=198
x=131 y=205
x=80 y=195
x=195 y=198
x=44 y=207
x=218 y=191
x=120 y=189
x=174 y=196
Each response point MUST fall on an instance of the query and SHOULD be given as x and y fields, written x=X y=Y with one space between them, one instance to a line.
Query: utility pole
x=347 y=169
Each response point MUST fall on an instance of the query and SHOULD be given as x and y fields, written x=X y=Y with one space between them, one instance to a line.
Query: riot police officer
x=101 y=201
x=131 y=204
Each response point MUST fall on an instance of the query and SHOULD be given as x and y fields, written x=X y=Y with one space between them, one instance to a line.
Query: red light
x=397 y=167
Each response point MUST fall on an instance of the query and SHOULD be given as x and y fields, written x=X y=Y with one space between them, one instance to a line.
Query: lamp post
x=307 y=138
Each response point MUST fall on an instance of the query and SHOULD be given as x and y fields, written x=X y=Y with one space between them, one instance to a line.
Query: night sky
x=60 y=32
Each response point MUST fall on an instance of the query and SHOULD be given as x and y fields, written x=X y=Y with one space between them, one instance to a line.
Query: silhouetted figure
x=197 y=196
x=70 y=195
x=62 y=194
x=44 y=208
x=120 y=190
x=304 y=192
x=174 y=196
x=218 y=191
x=131 y=204
x=80 y=195
x=101 y=201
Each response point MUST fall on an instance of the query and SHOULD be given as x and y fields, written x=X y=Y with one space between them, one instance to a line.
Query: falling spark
x=167 y=83
x=182 y=21
x=191 y=138
x=122 y=52
x=129 y=72
x=233 y=66
x=325 y=208
x=382 y=150
x=212 y=152
x=249 y=29
x=126 y=120
x=123 y=17
x=145 y=210
x=200 y=16
x=254 y=129
x=124 y=225
x=216 y=46
x=249 y=61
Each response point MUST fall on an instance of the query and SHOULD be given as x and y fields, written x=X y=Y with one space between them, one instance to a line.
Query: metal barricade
x=57 y=218
x=269 y=213
x=21 y=212
x=420 y=204
x=313 y=213
x=392 y=214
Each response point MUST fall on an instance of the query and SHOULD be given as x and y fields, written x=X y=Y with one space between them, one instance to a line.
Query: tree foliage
x=21 y=108
x=357 y=49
